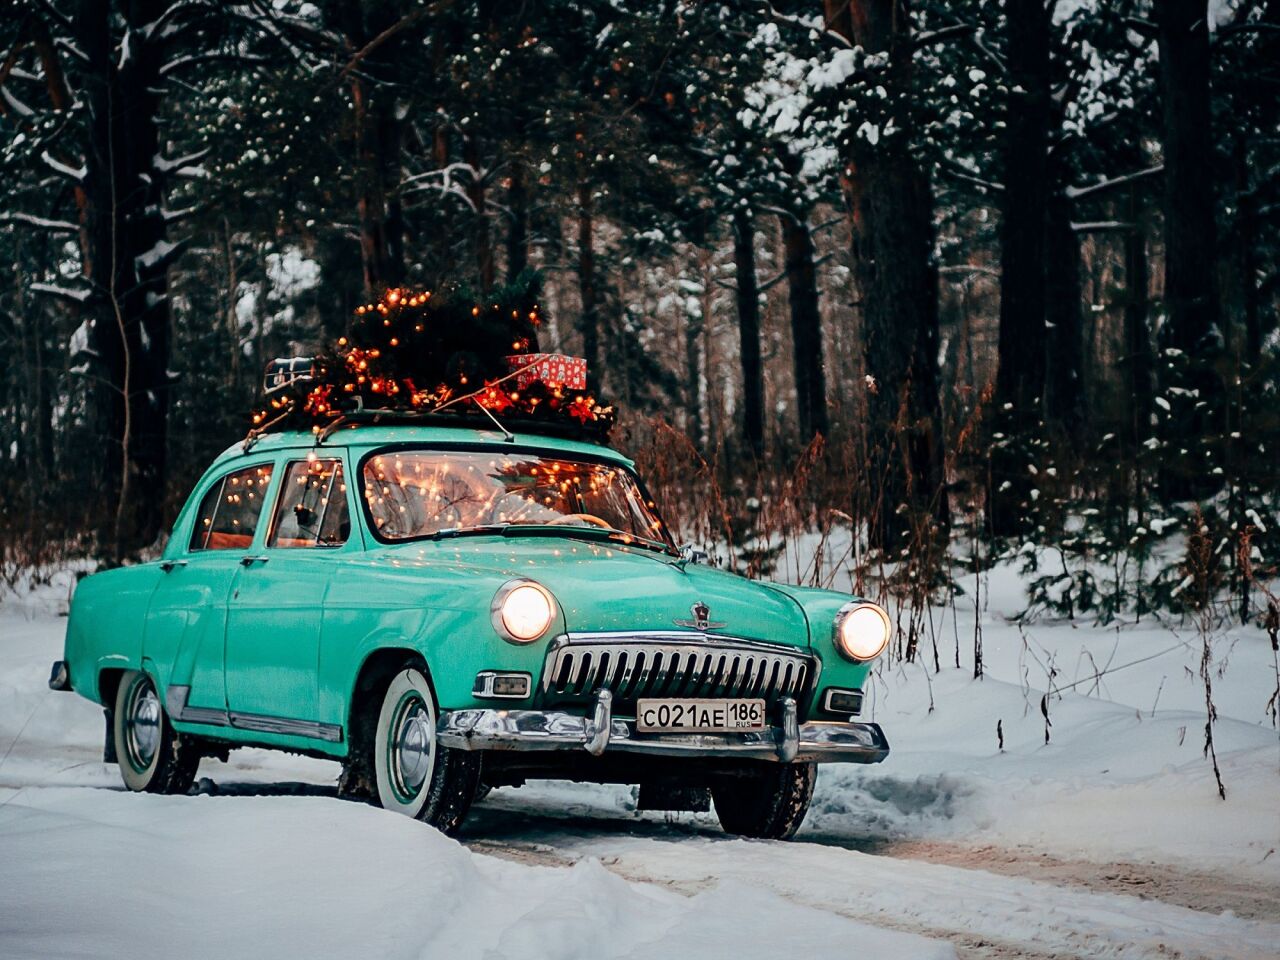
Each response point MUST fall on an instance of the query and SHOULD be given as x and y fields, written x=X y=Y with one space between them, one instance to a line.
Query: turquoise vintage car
x=446 y=609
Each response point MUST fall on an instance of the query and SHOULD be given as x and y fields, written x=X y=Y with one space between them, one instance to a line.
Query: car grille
x=632 y=666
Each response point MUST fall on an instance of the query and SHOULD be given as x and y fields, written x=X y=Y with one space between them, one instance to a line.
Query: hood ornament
x=701 y=618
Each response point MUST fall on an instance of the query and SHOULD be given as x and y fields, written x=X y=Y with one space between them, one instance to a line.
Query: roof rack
x=466 y=419
x=285 y=372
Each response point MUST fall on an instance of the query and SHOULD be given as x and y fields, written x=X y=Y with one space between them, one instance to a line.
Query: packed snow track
x=1108 y=842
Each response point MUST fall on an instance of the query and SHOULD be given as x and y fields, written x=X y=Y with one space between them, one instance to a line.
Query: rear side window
x=311 y=510
x=229 y=512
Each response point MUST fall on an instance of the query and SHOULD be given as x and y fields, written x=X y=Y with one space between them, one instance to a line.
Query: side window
x=229 y=512
x=311 y=510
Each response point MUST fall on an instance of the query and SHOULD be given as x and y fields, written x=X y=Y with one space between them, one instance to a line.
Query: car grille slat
x=698 y=666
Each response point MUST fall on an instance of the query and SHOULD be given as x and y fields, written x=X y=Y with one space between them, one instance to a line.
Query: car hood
x=609 y=587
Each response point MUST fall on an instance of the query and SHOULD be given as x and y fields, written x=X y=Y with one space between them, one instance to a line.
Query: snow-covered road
x=1107 y=842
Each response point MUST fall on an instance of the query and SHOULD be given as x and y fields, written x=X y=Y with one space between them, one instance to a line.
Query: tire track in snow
x=982 y=913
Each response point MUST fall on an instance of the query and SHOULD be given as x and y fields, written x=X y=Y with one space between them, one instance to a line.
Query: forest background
x=918 y=285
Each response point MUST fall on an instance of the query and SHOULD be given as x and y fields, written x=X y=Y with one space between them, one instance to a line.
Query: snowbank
x=103 y=873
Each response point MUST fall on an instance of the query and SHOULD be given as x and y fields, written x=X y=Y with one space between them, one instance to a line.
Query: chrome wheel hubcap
x=142 y=726
x=412 y=746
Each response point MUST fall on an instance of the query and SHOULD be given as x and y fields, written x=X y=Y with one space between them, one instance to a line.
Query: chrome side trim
x=283 y=725
x=175 y=701
x=813 y=742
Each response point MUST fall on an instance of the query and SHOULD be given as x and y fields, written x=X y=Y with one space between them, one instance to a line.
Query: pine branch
x=74 y=174
x=1102 y=226
x=54 y=226
x=1075 y=193
x=196 y=59
x=73 y=294
x=938 y=36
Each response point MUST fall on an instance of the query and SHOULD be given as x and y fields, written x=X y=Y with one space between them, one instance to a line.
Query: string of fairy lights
x=433 y=353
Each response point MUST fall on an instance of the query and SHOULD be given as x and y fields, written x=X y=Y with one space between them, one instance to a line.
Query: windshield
x=421 y=493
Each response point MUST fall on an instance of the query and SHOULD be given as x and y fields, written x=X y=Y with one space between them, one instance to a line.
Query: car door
x=276 y=608
x=186 y=621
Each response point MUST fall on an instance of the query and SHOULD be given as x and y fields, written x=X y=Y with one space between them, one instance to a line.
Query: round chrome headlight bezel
x=513 y=623
x=849 y=634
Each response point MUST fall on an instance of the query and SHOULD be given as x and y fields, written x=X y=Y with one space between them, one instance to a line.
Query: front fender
x=820 y=608
x=447 y=624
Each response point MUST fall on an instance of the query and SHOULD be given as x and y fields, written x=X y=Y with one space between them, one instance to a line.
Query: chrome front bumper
x=817 y=742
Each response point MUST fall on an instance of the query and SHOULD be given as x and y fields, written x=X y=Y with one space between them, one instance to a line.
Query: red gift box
x=553 y=369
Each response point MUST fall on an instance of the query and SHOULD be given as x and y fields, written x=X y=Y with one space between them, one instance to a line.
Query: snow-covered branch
x=807 y=24
x=195 y=59
x=163 y=165
x=43 y=223
x=1102 y=226
x=74 y=294
x=16 y=105
x=174 y=216
x=931 y=37
x=1075 y=193
x=960 y=173
x=76 y=174
x=158 y=258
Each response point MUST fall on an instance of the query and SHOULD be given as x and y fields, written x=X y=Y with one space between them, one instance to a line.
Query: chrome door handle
x=167 y=565
x=249 y=561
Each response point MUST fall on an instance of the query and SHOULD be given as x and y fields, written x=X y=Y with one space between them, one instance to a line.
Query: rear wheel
x=413 y=774
x=769 y=804
x=153 y=757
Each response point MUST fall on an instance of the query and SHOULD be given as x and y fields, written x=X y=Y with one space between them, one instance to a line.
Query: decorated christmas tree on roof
x=428 y=354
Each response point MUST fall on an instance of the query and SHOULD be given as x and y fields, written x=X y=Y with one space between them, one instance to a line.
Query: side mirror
x=691 y=554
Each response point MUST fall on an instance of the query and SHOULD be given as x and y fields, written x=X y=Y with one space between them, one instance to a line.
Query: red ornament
x=582 y=409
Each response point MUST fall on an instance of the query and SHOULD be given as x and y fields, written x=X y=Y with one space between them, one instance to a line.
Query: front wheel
x=413 y=773
x=769 y=804
x=153 y=757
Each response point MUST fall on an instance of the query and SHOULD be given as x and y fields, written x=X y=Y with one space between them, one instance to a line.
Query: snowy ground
x=1109 y=841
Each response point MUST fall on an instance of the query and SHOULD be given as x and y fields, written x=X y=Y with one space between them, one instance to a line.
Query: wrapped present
x=553 y=369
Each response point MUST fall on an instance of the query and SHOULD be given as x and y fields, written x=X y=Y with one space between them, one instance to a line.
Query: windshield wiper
x=479 y=528
x=584 y=533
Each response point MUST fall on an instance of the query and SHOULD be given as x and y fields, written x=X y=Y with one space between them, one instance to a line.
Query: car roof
x=370 y=436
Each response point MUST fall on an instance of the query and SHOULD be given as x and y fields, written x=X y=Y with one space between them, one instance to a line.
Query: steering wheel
x=590 y=518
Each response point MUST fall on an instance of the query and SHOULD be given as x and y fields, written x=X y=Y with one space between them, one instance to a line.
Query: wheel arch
x=376 y=671
x=109 y=685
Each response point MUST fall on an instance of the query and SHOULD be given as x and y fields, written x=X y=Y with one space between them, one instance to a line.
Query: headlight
x=522 y=611
x=862 y=630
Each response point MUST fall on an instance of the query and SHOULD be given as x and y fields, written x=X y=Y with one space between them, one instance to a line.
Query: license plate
x=699 y=716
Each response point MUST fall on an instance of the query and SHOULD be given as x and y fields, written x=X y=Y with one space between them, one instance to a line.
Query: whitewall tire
x=413 y=774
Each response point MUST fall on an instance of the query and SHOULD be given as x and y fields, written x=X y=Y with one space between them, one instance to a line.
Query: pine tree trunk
x=748 y=300
x=481 y=243
x=1190 y=250
x=1021 y=378
x=1137 y=333
x=1190 y=231
x=1064 y=390
x=589 y=322
x=891 y=210
x=806 y=327
x=379 y=137
x=128 y=260
x=518 y=234
x=694 y=425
